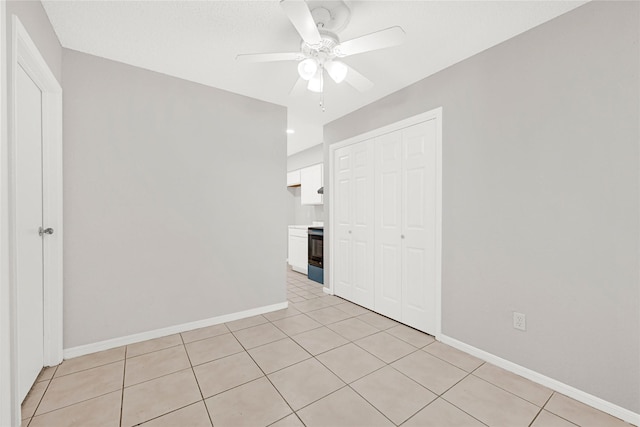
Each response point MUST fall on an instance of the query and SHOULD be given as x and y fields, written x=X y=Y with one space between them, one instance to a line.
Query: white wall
x=175 y=209
x=541 y=204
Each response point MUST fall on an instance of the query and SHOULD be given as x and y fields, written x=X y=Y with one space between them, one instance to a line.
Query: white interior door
x=29 y=249
x=419 y=226
x=362 y=223
x=388 y=230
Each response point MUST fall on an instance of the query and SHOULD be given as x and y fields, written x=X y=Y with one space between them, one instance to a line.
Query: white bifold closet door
x=419 y=226
x=385 y=224
x=388 y=228
x=405 y=225
x=354 y=223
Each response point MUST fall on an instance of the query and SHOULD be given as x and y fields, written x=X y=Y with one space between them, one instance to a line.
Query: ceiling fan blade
x=358 y=81
x=300 y=16
x=299 y=88
x=269 y=57
x=379 y=40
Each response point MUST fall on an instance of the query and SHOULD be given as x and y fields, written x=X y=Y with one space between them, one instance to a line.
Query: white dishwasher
x=298 y=247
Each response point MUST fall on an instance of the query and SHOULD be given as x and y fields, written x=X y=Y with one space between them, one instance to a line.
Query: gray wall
x=540 y=196
x=174 y=201
x=299 y=214
x=308 y=157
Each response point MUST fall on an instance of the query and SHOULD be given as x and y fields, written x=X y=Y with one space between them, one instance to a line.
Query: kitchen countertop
x=304 y=227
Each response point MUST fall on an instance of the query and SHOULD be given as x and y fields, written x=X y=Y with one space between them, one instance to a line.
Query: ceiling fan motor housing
x=325 y=50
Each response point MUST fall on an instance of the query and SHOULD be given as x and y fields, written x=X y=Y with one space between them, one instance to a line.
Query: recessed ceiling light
x=290 y=131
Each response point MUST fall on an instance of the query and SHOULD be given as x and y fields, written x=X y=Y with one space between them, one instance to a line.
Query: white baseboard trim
x=567 y=390
x=81 y=350
x=327 y=290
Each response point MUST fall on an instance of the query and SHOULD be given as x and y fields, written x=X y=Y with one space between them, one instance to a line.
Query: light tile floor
x=321 y=362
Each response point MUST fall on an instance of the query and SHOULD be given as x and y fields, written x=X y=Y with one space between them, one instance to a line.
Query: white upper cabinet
x=311 y=180
x=293 y=178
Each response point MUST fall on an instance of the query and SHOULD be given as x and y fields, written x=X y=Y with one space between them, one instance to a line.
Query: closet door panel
x=343 y=275
x=363 y=222
x=418 y=208
x=388 y=230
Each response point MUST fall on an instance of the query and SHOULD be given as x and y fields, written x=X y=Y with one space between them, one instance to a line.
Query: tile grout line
x=441 y=395
x=193 y=371
x=158 y=349
x=566 y=419
x=509 y=391
x=162 y=376
x=41 y=397
x=540 y=411
x=78 y=402
x=268 y=379
x=124 y=373
x=74 y=403
x=88 y=369
x=374 y=406
x=393 y=361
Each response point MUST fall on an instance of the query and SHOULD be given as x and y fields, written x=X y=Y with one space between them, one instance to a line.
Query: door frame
x=436 y=114
x=25 y=54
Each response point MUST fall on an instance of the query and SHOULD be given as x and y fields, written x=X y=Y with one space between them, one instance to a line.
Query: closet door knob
x=43 y=231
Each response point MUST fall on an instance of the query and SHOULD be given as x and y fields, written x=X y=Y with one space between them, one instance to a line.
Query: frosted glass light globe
x=307 y=68
x=337 y=70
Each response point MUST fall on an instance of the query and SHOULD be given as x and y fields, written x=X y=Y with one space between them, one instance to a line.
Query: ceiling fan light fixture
x=307 y=68
x=316 y=82
x=337 y=70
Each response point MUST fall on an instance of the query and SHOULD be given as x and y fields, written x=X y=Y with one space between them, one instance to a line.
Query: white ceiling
x=198 y=41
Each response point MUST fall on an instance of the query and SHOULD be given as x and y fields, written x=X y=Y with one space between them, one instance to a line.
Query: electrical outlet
x=519 y=321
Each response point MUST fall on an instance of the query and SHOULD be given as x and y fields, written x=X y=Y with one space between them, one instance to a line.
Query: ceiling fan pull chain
x=322 y=91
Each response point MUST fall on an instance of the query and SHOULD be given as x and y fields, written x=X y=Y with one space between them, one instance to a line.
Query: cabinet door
x=293 y=178
x=299 y=254
x=311 y=180
x=419 y=225
x=388 y=229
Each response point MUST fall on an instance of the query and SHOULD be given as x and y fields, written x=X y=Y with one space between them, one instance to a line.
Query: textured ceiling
x=198 y=41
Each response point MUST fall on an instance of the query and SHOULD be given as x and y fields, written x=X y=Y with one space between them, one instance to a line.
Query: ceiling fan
x=321 y=49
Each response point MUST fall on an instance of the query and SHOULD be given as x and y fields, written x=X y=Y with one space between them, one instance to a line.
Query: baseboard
x=72 y=352
x=327 y=290
x=560 y=387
